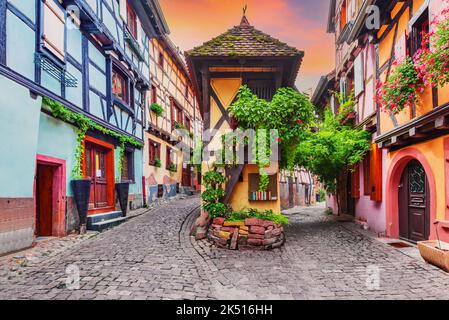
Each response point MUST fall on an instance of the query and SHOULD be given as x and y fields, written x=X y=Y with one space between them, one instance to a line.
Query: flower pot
x=431 y=253
x=81 y=195
x=122 y=189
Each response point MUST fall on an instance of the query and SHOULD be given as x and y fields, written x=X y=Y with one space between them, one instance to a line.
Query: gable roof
x=244 y=41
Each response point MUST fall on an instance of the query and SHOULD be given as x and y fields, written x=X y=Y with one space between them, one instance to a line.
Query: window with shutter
x=168 y=161
x=366 y=175
x=359 y=80
x=376 y=173
x=54 y=28
x=154 y=149
x=128 y=166
x=131 y=21
x=419 y=29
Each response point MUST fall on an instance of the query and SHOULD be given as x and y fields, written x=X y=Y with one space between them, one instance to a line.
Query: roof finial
x=244 y=21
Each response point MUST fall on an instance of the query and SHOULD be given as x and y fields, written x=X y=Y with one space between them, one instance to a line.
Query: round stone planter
x=250 y=234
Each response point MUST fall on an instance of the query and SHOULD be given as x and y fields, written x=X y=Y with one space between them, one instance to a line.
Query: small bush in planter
x=268 y=215
x=157 y=109
x=172 y=168
x=157 y=163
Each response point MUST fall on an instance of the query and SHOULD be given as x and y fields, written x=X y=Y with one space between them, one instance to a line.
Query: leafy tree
x=332 y=149
x=289 y=112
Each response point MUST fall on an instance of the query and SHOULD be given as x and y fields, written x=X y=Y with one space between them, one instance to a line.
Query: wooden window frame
x=416 y=29
x=116 y=72
x=168 y=160
x=179 y=115
x=49 y=46
x=131 y=23
x=187 y=123
x=153 y=94
x=156 y=153
x=161 y=59
x=131 y=173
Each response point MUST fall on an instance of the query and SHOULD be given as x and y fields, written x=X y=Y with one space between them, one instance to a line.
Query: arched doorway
x=414 y=203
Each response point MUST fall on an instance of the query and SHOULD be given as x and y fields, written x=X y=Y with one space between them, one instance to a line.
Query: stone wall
x=251 y=233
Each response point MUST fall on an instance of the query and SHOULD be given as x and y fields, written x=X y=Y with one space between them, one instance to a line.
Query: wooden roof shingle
x=244 y=41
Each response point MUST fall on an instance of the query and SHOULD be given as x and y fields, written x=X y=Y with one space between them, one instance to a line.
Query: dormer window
x=132 y=21
x=120 y=86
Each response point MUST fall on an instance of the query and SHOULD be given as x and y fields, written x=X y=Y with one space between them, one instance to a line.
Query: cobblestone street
x=152 y=256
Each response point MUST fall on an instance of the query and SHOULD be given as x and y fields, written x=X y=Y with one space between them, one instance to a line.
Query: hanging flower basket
x=433 y=63
x=401 y=88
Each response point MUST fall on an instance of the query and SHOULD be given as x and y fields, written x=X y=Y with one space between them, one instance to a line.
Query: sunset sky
x=300 y=23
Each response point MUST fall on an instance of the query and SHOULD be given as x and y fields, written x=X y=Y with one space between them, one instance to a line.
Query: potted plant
x=172 y=167
x=122 y=187
x=80 y=186
x=157 y=163
x=157 y=109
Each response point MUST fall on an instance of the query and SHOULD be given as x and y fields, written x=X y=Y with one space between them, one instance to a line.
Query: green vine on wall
x=211 y=197
x=84 y=124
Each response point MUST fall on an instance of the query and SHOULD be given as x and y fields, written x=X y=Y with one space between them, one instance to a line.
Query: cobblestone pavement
x=153 y=257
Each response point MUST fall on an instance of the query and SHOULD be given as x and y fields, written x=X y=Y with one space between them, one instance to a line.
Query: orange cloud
x=297 y=23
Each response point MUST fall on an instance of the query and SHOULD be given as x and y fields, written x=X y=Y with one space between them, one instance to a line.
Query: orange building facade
x=417 y=140
x=401 y=189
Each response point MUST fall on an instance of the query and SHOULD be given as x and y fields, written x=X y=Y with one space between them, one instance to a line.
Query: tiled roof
x=244 y=41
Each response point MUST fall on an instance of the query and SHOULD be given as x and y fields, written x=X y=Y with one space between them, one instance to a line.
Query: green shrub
x=268 y=215
x=157 y=163
x=157 y=109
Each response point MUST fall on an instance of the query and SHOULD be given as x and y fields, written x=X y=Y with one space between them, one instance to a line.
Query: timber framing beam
x=426 y=127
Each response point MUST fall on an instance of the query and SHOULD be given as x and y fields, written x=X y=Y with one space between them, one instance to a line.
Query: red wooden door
x=44 y=200
x=414 y=219
x=96 y=170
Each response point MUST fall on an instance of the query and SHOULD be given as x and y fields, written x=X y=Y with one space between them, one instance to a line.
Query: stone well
x=249 y=234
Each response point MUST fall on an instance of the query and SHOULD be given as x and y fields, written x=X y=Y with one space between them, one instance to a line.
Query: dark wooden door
x=44 y=200
x=187 y=176
x=413 y=202
x=96 y=169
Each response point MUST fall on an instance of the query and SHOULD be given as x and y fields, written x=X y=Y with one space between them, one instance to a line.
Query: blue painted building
x=92 y=57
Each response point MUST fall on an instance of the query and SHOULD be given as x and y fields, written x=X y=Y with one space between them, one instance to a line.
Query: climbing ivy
x=84 y=124
x=213 y=193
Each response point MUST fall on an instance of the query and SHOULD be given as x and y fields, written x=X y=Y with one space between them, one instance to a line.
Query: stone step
x=107 y=224
x=103 y=216
x=102 y=221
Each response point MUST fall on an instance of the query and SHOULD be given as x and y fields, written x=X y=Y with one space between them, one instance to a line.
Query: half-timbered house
x=416 y=140
x=166 y=170
x=354 y=78
x=92 y=57
x=242 y=55
x=404 y=193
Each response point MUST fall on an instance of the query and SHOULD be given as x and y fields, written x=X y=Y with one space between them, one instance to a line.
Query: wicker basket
x=431 y=253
